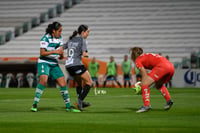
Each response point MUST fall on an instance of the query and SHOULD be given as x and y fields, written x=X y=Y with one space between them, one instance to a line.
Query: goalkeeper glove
x=137 y=88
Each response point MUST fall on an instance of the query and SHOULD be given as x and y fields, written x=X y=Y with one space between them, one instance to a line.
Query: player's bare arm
x=43 y=52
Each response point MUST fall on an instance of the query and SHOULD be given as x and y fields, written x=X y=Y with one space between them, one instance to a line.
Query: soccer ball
x=137 y=84
x=137 y=88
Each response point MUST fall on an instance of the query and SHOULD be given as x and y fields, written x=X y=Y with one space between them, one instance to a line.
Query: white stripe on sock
x=36 y=99
x=39 y=91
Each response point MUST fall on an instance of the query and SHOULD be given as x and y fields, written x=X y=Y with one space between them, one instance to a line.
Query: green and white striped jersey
x=50 y=43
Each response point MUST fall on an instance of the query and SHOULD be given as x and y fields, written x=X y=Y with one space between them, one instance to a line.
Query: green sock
x=65 y=95
x=38 y=93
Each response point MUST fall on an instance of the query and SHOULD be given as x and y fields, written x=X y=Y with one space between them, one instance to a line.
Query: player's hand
x=60 y=51
x=85 y=55
x=61 y=57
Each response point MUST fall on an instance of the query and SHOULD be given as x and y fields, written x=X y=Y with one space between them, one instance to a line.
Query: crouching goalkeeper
x=161 y=72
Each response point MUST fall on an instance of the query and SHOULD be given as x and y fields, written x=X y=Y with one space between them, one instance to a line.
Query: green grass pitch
x=113 y=112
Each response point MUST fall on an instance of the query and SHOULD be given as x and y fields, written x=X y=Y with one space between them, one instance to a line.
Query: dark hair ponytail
x=53 y=26
x=80 y=29
x=73 y=35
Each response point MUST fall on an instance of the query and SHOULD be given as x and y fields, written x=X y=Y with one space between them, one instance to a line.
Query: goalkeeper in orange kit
x=161 y=72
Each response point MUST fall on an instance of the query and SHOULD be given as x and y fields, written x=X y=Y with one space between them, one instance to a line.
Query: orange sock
x=165 y=93
x=146 y=95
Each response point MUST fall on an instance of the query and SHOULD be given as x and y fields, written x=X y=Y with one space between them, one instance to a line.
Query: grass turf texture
x=113 y=112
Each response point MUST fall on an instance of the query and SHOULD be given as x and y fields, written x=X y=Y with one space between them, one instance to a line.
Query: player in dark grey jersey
x=76 y=48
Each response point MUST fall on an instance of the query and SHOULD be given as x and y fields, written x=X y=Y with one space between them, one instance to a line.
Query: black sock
x=129 y=84
x=34 y=105
x=104 y=84
x=86 y=90
x=97 y=84
x=119 y=84
x=79 y=90
x=124 y=84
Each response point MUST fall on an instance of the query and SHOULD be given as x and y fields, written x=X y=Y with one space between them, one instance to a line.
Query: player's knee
x=43 y=82
x=62 y=84
x=89 y=83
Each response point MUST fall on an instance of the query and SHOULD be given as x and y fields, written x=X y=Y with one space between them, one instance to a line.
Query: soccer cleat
x=34 y=108
x=85 y=104
x=79 y=105
x=144 y=109
x=168 y=104
x=72 y=109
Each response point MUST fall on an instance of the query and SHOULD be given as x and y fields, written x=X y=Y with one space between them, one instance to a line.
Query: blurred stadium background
x=168 y=27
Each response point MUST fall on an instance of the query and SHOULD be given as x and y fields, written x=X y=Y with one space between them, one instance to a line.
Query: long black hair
x=54 y=26
x=79 y=31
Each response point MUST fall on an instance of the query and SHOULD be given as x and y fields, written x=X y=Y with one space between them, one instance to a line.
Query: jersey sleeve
x=84 y=46
x=65 y=45
x=44 y=43
x=138 y=63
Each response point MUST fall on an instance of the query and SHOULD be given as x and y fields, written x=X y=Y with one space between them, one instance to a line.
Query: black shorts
x=127 y=77
x=110 y=77
x=76 y=70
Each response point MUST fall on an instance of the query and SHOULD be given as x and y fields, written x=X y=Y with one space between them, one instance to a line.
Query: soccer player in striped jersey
x=77 y=48
x=50 y=51
x=161 y=72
